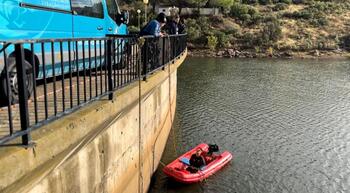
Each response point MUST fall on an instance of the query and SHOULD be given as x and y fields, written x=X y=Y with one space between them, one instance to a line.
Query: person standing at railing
x=154 y=26
x=151 y=49
x=175 y=25
x=181 y=27
x=171 y=26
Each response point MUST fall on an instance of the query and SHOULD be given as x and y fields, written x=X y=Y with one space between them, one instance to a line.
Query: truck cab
x=39 y=19
x=54 y=19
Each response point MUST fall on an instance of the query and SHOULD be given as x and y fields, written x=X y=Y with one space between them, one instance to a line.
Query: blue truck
x=54 y=19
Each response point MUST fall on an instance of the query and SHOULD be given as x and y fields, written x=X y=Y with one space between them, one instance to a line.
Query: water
x=287 y=122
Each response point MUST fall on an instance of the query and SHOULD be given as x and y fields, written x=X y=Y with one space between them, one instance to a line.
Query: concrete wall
x=107 y=146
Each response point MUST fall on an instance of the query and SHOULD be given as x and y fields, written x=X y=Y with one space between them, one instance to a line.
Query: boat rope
x=171 y=115
x=162 y=163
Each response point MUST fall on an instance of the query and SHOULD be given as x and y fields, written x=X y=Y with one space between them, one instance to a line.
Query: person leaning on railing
x=154 y=26
x=151 y=50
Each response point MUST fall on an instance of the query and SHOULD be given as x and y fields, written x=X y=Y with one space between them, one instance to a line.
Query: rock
x=230 y=52
x=287 y=54
x=276 y=55
x=220 y=53
x=338 y=50
x=237 y=53
x=315 y=53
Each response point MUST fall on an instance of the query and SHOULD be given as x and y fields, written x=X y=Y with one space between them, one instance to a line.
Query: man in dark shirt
x=197 y=161
x=172 y=25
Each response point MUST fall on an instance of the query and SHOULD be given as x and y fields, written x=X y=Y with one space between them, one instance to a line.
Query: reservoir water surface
x=287 y=123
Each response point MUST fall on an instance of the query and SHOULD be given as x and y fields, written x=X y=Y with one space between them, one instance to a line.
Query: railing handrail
x=49 y=40
x=98 y=65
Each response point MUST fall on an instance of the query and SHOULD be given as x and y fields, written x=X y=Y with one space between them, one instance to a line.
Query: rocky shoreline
x=234 y=53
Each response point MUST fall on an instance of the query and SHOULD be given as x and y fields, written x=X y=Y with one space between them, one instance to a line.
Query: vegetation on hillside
x=271 y=27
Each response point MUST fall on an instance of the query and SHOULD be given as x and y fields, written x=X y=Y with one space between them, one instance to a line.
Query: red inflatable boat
x=178 y=168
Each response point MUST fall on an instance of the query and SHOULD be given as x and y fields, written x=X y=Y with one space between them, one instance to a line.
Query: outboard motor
x=212 y=148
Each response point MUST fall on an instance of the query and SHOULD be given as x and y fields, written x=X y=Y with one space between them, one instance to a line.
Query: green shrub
x=191 y=23
x=265 y=2
x=286 y=1
x=249 y=1
x=246 y=13
x=315 y=14
x=212 y=42
x=320 y=21
x=193 y=34
x=232 y=30
x=270 y=18
x=344 y=42
x=249 y=40
x=280 y=6
x=271 y=32
x=238 y=9
x=282 y=1
x=223 y=39
x=193 y=29
x=216 y=19
x=246 y=18
x=252 y=10
x=298 y=1
x=202 y=40
x=256 y=19
x=304 y=14
x=204 y=23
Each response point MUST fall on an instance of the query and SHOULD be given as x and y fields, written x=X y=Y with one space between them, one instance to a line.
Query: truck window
x=90 y=8
x=53 y=4
x=112 y=8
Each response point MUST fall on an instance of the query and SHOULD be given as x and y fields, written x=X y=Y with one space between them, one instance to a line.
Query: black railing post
x=174 y=49
x=163 y=54
x=109 y=68
x=22 y=92
x=145 y=59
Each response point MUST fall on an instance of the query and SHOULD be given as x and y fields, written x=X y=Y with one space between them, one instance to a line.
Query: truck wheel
x=13 y=81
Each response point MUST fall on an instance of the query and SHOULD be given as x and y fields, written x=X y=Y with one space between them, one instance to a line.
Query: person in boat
x=196 y=161
x=201 y=158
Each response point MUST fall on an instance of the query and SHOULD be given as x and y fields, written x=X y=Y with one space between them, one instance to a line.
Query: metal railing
x=42 y=80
